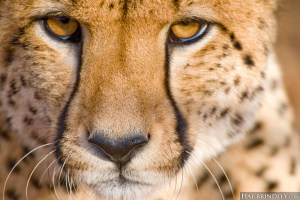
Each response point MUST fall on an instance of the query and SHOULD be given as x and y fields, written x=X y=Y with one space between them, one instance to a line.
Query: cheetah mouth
x=122 y=188
x=122 y=181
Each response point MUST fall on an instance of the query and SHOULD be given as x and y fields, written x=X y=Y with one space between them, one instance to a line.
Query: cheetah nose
x=120 y=151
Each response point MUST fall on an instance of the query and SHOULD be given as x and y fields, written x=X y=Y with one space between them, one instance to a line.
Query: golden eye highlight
x=187 y=31
x=63 y=28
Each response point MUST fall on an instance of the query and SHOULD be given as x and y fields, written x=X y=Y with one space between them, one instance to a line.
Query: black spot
x=261 y=171
x=237 y=81
x=257 y=127
x=12 y=194
x=10 y=100
x=202 y=179
x=249 y=61
x=259 y=89
x=262 y=24
x=293 y=166
x=274 y=150
x=23 y=81
x=254 y=143
x=287 y=141
x=237 y=45
x=228 y=193
x=190 y=3
x=271 y=185
x=11 y=163
x=111 y=6
x=223 y=28
x=224 y=112
x=9 y=56
x=222 y=83
x=8 y=121
x=245 y=95
x=3 y=78
x=213 y=110
x=227 y=90
x=222 y=178
x=26 y=150
x=208 y=92
x=238 y=119
x=32 y=109
x=232 y=36
x=282 y=108
x=28 y=120
x=36 y=183
x=274 y=84
x=13 y=87
x=37 y=96
x=5 y=135
x=15 y=41
x=226 y=46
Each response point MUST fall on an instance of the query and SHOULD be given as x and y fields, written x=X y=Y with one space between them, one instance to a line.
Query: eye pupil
x=64 y=20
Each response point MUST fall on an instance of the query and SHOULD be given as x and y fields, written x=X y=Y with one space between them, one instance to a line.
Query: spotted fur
x=218 y=102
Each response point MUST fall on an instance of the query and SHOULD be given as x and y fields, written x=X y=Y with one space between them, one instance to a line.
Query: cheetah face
x=129 y=93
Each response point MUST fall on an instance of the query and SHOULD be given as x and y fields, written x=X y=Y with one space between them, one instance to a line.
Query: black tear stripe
x=61 y=124
x=181 y=126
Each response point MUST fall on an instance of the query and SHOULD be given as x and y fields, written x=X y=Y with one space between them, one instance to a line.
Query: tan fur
x=220 y=85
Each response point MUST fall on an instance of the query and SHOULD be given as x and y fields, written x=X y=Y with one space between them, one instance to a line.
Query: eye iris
x=62 y=27
x=186 y=30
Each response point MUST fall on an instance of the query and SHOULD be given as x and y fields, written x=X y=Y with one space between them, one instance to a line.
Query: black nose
x=118 y=151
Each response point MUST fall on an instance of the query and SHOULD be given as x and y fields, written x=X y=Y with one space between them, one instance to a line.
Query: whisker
x=210 y=174
x=34 y=171
x=47 y=170
x=69 y=189
x=175 y=187
x=61 y=170
x=9 y=174
x=71 y=186
x=180 y=184
x=225 y=175
x=53 y=182
x=195 y=182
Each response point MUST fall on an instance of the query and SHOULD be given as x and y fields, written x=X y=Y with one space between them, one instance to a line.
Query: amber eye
x=63 y=28
x=187 y=31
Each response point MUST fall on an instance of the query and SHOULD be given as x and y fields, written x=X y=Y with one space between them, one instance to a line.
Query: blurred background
x=288 y=50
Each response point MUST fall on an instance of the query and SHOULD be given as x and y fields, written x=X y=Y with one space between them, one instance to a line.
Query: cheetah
x=158 y=100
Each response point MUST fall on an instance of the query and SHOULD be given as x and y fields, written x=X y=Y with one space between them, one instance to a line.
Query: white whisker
x=61 y=170
x=194 y=179
x=34 y=171
x=210 y=174
x=225 y=176
x=180 y=184
x=19 y=163
x=53 y=182
x=47 y=170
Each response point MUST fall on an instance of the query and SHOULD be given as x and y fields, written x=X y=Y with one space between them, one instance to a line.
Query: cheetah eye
x=63 y=28
x=187 y=31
